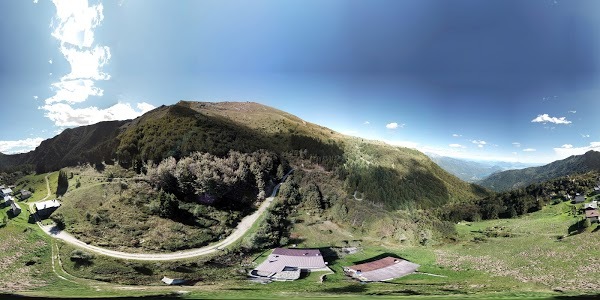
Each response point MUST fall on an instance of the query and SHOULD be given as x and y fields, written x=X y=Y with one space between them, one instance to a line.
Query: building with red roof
x=384 y=269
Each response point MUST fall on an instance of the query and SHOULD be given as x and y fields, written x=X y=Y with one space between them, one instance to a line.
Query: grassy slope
x=534 y=254
x=101 y=212
x=528 y=265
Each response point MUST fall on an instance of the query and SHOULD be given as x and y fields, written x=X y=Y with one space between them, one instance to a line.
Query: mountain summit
x=391 y=176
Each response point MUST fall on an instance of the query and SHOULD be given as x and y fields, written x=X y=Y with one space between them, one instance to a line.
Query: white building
x=287 y=264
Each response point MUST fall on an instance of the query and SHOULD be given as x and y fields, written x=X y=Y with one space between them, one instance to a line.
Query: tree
x=168 y=205
x=587 y=223
x=280 y=172
x=59 y=220
x=63 y=183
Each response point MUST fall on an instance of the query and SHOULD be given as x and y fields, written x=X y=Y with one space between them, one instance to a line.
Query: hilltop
x=373 y=168
x=187 y=173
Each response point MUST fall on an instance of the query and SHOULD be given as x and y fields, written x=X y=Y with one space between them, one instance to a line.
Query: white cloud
x=76 y=22
x=86 y=64
x=456 y=146
x=394 y=125
x=145 y=107
x=65 y=115
x=545 y=118
x=585 y=136
x=479 y=143
x=74 y=91
x=567 y=150
x=20 y=146
x=529 y=150
x=456 y=135
x=573 y=111
x=35 y=1
x=35 y=97
x=517 y=144
x=73 y=26
x=50 y=61
x=407 y=144
x=366 y=123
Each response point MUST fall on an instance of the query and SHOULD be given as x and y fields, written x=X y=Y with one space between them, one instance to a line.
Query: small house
x=8 y=200
x=591 y=205
x=384 y=269
x=287 y=264
x=46 y=208
x=579 y=198
x=15 y=208
x=592 y=215
x=171 y=281
x=6 y=192
x=25 y=194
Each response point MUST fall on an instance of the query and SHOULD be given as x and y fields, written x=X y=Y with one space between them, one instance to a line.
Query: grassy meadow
x=539 y=255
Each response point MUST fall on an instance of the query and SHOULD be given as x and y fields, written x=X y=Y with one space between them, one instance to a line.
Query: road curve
x=241 y=229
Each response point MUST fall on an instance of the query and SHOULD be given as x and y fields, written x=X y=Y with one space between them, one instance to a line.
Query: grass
x=536 y=258
x=37 y=183
x=539 y=251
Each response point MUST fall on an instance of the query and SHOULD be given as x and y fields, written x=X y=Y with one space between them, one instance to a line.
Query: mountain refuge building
x=287 y=264
x=46 y=208
x=384 y=269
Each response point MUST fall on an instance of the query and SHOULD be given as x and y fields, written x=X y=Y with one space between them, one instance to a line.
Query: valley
x=206 y=204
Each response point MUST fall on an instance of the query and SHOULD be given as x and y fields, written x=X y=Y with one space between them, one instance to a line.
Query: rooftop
x=295 y=258
x=297 y=252
x=383 y=269
x=592 y=213
x=47 y=204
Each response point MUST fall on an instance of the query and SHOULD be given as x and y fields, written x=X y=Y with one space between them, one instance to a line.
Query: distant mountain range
x=473 y=171
x=512 y=179
x=392 y=176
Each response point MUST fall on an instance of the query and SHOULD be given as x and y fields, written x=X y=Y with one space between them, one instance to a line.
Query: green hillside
x=201 y=167
x=513 y=179
x=394 y=176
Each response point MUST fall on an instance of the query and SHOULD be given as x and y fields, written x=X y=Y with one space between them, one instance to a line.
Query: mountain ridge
x=392 y=176
x=575 y=164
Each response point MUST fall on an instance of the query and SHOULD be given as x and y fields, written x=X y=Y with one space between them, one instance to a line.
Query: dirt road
x=239 y=231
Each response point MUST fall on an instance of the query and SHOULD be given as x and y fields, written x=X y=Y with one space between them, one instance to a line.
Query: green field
x=533 y=256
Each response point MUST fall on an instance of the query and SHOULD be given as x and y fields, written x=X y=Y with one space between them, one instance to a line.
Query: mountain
x=512 y=179
x=470 y=171
x=92 y=144
x=473 y=171
x=390 y=176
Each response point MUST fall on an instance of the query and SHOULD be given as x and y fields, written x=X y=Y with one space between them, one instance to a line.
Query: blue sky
x=491 y=80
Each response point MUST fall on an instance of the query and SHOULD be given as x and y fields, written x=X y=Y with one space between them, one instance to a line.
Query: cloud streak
x=479 y=143
x=394 y=125
x=65 y=115
x=567 y=150
x=456 y=146
x=545 y=118
x=73 y=26
x=20 y=146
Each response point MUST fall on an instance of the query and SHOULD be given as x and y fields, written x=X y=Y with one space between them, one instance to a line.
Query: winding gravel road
x=239 y=231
